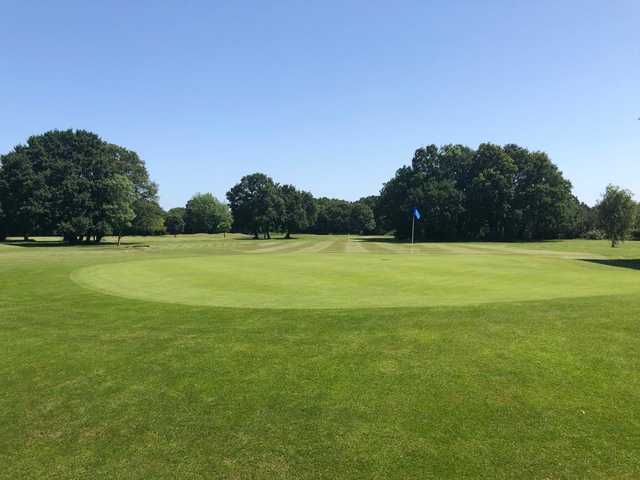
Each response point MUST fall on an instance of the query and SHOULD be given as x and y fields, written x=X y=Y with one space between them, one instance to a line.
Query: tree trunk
x=25 y=237
x=268 y=235
x=119 y=238
x=288 y=235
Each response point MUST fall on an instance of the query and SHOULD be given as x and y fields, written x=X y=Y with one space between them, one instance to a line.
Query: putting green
x=354 y=281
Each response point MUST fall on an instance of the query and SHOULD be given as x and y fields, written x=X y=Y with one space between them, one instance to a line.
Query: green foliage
x=4 y=220
x=204 y=213
x=616 y=213
x=174 y=221
x=63 y=181
x=149 y=218
x=256 y=205
x=298 y=210
x=119 y=197
x=492 y=193
x=373 y=202
x=23 y=193
x=334 y=216
x=361 y=219
x=341 y=216
x=260 y=205
x=53 y=184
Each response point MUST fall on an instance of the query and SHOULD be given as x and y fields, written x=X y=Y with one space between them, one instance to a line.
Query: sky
x=332 y=96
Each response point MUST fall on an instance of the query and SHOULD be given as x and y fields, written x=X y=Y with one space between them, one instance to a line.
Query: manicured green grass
x=343 y=280
x=523 y=385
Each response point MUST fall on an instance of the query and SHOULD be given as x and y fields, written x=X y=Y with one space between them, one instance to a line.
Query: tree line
x=259 y=206
x=76 y=185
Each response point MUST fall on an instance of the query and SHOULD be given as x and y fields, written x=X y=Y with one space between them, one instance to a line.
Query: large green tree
x=4 y=227
x=149 y=217
x=373 y=202
x=174 y=221
x=298 y=210
x=256 y=205
x=24 y=194
x=616 y=213
x=204 y=213
x=492 y=193
x=55 y=183
x=118 y=205
x=435 y=183
x=543 y=204
x=361 y=219
x=334 y=216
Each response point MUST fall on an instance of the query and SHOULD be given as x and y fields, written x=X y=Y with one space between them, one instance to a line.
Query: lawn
x=321 y=357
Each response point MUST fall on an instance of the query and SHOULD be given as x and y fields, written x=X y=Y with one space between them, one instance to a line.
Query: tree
x=616 y=213
x=543 y=204
x=256 y=205
x=56 y=184
x=361 y=219
x=334 y=216
x=23 y=193
x=373 y=202
x=118 y=211
x=435 y=183
x=204 y=213
x=149 y=217
x=174 y=221
x=492 y=193
x=587 y=221
x=340 y=216
x=635 y=233
x=298 y=210
x=4 y=227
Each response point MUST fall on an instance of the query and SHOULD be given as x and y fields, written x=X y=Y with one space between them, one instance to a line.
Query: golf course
x=322 y=356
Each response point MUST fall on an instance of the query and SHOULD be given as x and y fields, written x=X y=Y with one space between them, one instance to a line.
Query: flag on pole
x=416 y=213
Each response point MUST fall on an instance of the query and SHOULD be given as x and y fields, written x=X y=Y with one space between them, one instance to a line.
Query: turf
x=100 y=385
x=343 y=280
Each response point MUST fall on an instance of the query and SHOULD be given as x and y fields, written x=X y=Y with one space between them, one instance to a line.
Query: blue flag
x=416 y=213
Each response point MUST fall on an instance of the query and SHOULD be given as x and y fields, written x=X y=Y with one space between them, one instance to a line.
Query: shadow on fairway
x=387 y=239
x=260 y=239
x=379 y=240
x=633 y=264
x=60 y=243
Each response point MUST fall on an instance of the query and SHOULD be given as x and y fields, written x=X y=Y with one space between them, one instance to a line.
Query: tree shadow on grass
x=378 y=239
x=60 y=243
x=251 y=238
x=633 y=264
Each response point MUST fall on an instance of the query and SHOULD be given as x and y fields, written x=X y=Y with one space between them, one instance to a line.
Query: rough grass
x=102 y=386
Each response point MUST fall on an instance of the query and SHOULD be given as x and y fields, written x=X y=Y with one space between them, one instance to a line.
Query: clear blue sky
x=332 y=96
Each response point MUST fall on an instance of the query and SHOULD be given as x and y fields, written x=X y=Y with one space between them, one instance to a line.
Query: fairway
x=344 y=280
x=341 y=357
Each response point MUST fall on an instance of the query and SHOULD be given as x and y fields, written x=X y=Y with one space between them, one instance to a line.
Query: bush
x=593 y=234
